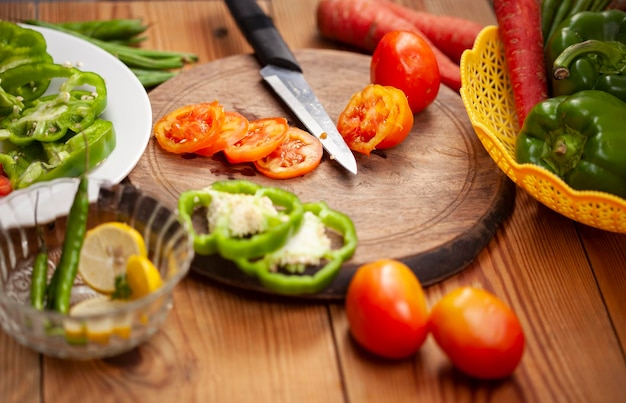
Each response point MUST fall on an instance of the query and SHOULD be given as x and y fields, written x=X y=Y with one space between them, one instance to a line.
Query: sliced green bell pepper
x=220 y=240
x=49 y=118
x=18 y=46
x=294 y=284
x=588 y=51
x=37 y=162
x=580 y=138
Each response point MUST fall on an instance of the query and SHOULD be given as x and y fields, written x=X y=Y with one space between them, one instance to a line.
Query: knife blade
x=283 y=73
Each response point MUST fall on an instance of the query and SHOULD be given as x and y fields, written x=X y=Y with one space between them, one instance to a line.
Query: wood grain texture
x=565 y=281
x=433 y=202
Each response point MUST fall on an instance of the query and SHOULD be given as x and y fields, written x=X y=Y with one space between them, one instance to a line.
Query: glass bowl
x=130 y=323
x=487 y=94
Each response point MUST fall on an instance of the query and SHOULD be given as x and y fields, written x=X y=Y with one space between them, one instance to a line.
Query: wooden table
x=566 y=282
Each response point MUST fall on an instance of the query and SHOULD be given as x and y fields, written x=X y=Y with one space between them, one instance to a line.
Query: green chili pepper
x=293 y=284
x=588 y=51
x=107 y=30
x=39 y=277
x=60 y=289
x=39 y=162
x=19 y=46
x=49 y=118
x=278 y=229
x=580 y=138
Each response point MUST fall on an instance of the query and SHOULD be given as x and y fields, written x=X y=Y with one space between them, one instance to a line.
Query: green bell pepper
x=50 y=117
x=580 y=138
x=293 y=284
x=19 y=46
x=588 y=51
x=37 y=162
x=220 y=239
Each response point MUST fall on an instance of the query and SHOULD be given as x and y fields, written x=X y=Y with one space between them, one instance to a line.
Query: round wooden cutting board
x=433 y=201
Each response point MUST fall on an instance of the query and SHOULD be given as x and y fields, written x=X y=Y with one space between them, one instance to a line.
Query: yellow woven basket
x=488 y=98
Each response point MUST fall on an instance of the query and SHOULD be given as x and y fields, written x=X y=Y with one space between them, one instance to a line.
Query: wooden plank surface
x=566 y=282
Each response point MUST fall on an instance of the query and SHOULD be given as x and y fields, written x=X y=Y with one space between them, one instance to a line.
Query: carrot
x=519 y=23
x=452 y=35
x=362 y=23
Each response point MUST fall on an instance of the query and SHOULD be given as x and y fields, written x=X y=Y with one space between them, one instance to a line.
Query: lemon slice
x=105 y=252
x=98 y=330
x=142 y=276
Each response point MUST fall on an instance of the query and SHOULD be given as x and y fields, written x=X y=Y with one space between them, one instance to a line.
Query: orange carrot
x=519 y=24
x=452 y=35
x=362 y=23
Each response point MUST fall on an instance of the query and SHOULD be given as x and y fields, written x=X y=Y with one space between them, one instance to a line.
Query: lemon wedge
x=105 y=254
x=97 y=330
x=142 y=276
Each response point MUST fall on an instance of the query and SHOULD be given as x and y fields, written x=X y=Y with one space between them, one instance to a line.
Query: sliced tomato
x=299 y=154
x=377 y=117
x=234 y=128
x=263 y=137
x=190 y=128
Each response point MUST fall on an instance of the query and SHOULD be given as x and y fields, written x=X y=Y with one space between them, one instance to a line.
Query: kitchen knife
x=283 y=73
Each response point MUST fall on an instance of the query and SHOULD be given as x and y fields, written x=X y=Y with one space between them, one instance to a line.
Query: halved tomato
x=190 y=128
x=234 y=128
x=377 y=117
x=299 y=154
x=263 y=137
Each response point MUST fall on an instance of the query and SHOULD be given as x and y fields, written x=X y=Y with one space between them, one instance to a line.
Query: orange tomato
x=233 y=129
x=377 y=117
x=386 y=309
x=190 y=128
x=479 y=333
x=263 y=137
x=299 y=154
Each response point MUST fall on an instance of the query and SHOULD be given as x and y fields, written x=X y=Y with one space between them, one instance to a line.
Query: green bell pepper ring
x=18 y=46
x=220 y=240
x=295 y=284
x=588 y=51
x=39 y=162
x=49 y=118
x=580 y=138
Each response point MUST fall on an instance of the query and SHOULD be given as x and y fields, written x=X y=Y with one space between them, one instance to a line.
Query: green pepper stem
x=610 y=52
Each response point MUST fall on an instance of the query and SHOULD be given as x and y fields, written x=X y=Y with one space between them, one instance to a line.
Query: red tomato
x=263 y=137
x=404 y=60
x=377 y=117
x=5 y=184
x=299 y=154
x=479 y=333
x=190 y=128
x=233 y=129
x=386 y=309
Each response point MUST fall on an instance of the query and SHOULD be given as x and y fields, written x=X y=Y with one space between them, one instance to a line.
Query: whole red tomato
x=386 y=309
x=479 y=333
x=404 y=60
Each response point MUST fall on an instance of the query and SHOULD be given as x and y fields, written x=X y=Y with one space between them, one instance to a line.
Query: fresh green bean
x=152 y=78
x=107 y=30
x=548 y=12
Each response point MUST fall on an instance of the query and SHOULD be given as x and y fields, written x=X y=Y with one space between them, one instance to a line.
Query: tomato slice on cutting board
x=234 y=128
x=190 y=128
x=298 y=154
x=377 y=117
x=263 y=137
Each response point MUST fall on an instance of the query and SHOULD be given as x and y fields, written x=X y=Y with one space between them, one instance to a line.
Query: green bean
x=107 y=30
x=67 y=268
x=40 y=270
x=152 y=78
x=548 y=12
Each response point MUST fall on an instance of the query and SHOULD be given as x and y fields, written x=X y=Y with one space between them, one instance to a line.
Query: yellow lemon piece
x=99 y=330
x=105 y=252
x=142 y=276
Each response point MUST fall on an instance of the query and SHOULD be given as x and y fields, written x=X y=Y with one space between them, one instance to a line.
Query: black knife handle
x=259 y=30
